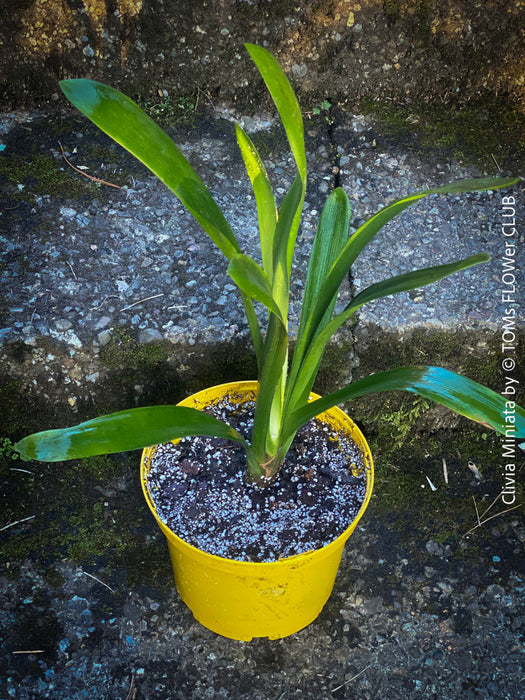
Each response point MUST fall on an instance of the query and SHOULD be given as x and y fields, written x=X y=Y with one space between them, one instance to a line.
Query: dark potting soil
x=200 y=491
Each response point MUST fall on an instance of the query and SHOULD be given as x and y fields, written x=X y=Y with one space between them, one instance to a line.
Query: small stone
x=122 y=285
x=88 y=51
x=67 y=337
x=434 y=547
x=63 y=324
x=444 y=587
x=374 y=605
x=150 y=335
x=103 y=338
x=103 y=322
x=299 y=70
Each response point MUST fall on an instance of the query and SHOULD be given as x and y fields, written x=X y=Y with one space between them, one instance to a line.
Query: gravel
x=134 y=257
x=402 y=621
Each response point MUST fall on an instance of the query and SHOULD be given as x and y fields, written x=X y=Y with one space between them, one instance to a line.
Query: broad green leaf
x=252 y=280
x=458 y=393
x=123 y=431
x=120 y=118
x=291 y=205
x=128 y=125
x=415 y=279
x=284 y=99
x=369 y=229
x=286 y=103
x=262 y=189
x=332 y=235
x=401 y=283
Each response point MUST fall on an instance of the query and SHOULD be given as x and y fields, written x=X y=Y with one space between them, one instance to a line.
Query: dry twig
x=97 y=580
x=90 y=177
x=109 y=296
x=352 y=679
x=17 y=522
x=445 y=471
x=132 y=692
x=482 y=522
x=495 y=161
x=477 y=512
x=155 y=296
x=71 y=268
x=432 y=487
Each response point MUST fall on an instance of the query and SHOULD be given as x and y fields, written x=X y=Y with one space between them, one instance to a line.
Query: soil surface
x=200 y=492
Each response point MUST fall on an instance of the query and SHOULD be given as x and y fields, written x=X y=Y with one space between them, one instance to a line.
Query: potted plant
x=277 y=593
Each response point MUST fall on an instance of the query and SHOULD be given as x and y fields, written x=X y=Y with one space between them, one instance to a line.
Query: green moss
x=268 y=143
x=404 y=429
x=53 y=577
x=19 y=411
x=334 y=371
x=71 y=519
x=90 y=534
x=233 y=361
x=102 y=468
x=124 y=351
x=40 y=174
x=169 y=110
x=488 y=134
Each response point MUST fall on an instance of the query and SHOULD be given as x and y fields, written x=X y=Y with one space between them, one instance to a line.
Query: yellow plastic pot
x=242 y=600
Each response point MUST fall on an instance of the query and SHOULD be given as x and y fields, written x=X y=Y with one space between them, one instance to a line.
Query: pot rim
x=334 y=415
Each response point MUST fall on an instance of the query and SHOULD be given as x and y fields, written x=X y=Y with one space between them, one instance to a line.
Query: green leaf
x=262 y=189
x=284 y=99
x=291 y=205
x=369 y=229
x=253 y=281
x=286 y=103
x=414 y=280
x=128 y=125
x=123 y=431
x=268 y=414
x=332 y=234
x=400 y=283
x=458 y=393
x=120 y=118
